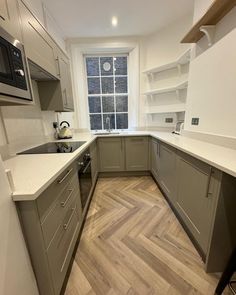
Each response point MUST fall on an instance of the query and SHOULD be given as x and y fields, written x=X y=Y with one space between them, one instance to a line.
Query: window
x=107 y=79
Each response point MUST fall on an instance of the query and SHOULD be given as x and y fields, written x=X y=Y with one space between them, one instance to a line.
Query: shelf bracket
x=179 y=69
x=209 y=31
x=177 y=93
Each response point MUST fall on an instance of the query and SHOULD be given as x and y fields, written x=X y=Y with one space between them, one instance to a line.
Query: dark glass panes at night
x=94 y=86
x=106 y=65
x=122 y=103
x=121 y=85
x=120 y=65
x=107 y=85
x=108 y=105
x=122 y=121
x=92 y=65
x=94 y=104
x=96 y=122
x=106 y=121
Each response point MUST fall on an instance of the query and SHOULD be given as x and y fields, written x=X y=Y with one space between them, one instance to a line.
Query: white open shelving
x=174 y=108
x=181 y=86
x=182 y=60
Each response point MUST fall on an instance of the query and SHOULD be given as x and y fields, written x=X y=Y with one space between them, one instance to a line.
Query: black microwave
x=14 y=77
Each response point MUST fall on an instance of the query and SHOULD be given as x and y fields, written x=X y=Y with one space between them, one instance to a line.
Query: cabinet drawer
x=48 y=197
x=61 y=248
x=54 y=218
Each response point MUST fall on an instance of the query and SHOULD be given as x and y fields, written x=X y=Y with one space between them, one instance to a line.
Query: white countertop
x=32 y=174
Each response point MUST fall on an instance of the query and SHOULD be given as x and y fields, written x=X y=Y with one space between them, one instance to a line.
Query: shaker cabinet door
x=137 y=153
x=39 y=46
x=155 y=158
x=196 y=198
x=111 y=154
x=167 y=157
x=9 y=18
x=66 y=84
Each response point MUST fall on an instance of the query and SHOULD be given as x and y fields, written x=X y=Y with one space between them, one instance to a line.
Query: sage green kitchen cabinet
x=66 y=83
x=9 y=18
x=38 y=44
x=111 y=154
x=94 y=159
x=137 y=153
x=155 y=158
x=57 y=95
x=197 y=190
x=167 y=170
x=51 y=226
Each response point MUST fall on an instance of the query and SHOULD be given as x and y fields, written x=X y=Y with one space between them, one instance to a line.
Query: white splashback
x=25 y=125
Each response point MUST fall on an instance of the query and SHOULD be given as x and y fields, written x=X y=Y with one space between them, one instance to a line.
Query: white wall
x=157 y=49
x=212 y=90
x=16 y=274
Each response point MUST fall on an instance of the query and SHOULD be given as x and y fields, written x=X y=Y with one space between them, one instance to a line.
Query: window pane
x=122 y=121
x=94 y=104
x=121 y=65
x=106 y=64
x=121 y=85
x=106 y=118
x=94 y=86
x=92 y=65
x=107 y=85
x=108 y=104
x=96 y=122
x=122 y=103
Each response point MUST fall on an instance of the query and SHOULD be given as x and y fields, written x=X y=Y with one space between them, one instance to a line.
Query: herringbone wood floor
x=132 y=243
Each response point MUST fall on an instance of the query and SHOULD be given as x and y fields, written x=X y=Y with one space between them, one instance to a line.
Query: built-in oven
x=14 y=77
x=85 y=177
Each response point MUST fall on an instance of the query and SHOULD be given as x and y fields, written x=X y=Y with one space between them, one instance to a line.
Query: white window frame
x=77 y=51
x=108 y=94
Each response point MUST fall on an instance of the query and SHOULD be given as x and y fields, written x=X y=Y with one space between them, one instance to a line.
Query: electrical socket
x=169 y=120
x=195 y=121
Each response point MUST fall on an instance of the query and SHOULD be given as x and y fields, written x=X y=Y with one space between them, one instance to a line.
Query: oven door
x=85 y=181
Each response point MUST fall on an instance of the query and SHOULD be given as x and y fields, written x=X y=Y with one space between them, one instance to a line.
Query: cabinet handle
x=65 y=97
x=2 y=17
x=209 y=182
x=65 y=176
x=63 y=204
x=59 y=69
x=66 y=225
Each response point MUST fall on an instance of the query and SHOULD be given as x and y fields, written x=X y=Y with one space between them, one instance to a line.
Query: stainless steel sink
x=106 y=133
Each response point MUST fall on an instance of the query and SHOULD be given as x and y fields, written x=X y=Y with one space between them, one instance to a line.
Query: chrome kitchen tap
x=108 y=121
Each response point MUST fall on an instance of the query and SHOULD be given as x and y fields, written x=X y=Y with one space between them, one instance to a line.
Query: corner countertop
x=32 y=174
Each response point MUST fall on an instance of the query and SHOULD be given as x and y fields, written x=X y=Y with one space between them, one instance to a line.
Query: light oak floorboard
x=132 y=244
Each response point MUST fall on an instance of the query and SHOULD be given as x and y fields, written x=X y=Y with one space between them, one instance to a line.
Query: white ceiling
x=92 y=18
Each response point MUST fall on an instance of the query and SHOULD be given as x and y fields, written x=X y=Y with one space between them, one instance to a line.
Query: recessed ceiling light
x=114 y=21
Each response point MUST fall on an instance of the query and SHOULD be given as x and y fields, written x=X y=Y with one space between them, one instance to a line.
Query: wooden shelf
x=178 y=87
x=214 y=14
x=182 y=60
x=174 y=108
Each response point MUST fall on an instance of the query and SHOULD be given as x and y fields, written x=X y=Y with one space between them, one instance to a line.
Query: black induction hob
x=55 y=147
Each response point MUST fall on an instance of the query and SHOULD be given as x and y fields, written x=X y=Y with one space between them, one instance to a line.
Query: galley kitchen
x=117 y=147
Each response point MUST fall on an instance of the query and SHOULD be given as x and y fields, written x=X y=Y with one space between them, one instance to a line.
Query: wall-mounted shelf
x=214 y=14
x=175 y=88
x=182 y=60
x=174 y=108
